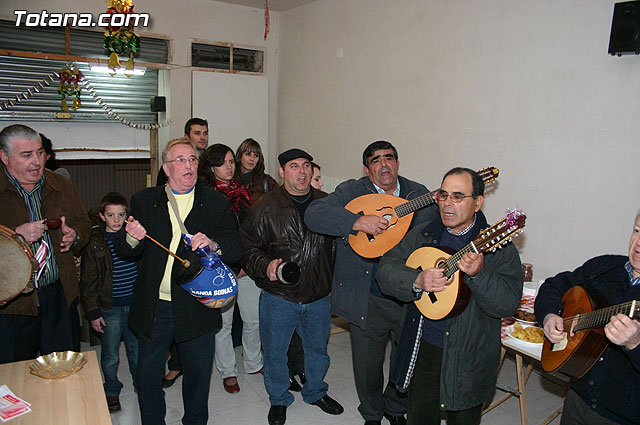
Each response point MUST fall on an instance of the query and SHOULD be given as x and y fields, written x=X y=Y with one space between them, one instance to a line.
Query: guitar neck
x=601 y=317
x=414 y=205
x=451 y=265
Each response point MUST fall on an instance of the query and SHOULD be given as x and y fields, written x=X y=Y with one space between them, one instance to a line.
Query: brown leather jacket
x=59 y=198
x=273 y=229
x=260 y=186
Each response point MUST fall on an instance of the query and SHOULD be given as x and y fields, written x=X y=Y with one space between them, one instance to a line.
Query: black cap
x=292 y=154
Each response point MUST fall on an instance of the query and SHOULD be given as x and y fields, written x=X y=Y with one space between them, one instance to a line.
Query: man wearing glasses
x=161 y=311
x=196 y=130
x=450 y=364
x=374 y=316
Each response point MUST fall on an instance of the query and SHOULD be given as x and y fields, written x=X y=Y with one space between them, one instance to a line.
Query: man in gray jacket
x=355 y=294
x=450 y=364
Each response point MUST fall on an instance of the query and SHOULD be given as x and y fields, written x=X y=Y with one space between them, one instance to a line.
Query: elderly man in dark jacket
x=29 y=194
x=274 y=232
x=161 y=310
x=451 y=364
x=608 y=393
x=355 y=295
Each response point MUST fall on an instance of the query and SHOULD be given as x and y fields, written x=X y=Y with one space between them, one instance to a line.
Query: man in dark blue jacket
x=608 y=393
x=355 y=294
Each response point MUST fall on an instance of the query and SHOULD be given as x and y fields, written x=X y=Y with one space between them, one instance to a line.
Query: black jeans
x=197 y=364
x=22 y=337
x=576 y=412
x=368 y=349
x=423 y=407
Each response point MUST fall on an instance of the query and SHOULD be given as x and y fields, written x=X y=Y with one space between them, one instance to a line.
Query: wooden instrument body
x=17 y=265
x=445 y=304
x=382 y=205
x=584 y=348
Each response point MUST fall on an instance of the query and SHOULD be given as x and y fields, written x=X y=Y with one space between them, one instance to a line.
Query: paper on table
x=10 y=405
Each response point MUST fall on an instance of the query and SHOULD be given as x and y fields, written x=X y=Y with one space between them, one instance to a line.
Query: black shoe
x=277 y=415
x=329 y=405
x=395 y=420
x=166 y=383
x=113 y=403
x=293 y=384
x=373 y=423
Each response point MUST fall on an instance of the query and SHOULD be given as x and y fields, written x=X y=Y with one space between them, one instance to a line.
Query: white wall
x=183 y=21
x=240 y=110
x=525 y=86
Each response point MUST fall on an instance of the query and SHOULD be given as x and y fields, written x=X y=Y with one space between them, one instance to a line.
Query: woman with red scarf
x=217 y=169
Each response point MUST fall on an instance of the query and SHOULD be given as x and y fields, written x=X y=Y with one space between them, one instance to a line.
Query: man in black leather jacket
x=274 y=232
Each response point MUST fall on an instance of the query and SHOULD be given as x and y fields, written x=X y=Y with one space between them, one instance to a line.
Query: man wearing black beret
x=274 y=232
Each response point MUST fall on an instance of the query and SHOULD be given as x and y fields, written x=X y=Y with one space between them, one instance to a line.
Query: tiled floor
x=250 y=405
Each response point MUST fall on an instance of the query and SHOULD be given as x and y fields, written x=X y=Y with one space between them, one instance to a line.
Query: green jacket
x=471 y=351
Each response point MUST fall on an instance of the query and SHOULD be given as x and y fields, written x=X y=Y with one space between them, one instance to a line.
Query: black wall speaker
x=625 y=29
x=158 y=104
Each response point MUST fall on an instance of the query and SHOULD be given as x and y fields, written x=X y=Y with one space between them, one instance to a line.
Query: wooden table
x=522 y=376
x=75 y=400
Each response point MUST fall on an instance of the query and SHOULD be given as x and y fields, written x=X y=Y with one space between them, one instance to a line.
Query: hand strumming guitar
x=370 y=224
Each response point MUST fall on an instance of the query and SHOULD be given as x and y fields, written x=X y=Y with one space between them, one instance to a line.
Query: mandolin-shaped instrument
x=454 y=298
x=399 y=213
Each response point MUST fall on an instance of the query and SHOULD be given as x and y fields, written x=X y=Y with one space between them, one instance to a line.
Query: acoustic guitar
x=585 y=341
x=399 y=213
x=454 y=298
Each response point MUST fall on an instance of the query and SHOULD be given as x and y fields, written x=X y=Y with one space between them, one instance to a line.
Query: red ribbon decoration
x=266 y=18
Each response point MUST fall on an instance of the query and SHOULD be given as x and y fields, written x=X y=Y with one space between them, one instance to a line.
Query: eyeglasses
x=456 y=197
x=183 y=161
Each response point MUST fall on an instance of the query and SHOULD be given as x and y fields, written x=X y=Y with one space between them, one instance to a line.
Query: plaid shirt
x=634 y=281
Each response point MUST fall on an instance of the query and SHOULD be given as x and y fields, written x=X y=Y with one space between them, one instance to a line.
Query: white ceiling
x=274 y=5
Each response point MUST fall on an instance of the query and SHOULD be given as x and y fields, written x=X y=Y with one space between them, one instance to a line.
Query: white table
x=521 y=350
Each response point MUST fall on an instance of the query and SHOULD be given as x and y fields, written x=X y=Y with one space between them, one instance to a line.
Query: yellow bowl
x=58 y=365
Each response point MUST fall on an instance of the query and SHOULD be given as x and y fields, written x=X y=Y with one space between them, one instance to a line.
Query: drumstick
x=185 y=263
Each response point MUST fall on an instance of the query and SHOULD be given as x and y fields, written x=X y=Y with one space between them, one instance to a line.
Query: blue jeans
x=197 y=363
x=278 y=320
x=117 y=327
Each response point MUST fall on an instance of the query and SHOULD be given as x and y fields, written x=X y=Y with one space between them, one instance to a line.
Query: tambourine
x=17 y=265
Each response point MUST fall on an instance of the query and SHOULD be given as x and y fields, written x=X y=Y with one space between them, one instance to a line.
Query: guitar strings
x=413 y=205
x=596 y=318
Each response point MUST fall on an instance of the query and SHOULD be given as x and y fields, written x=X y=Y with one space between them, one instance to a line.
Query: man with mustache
x=355 y=293
x=29 y=195
x=274 y=232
